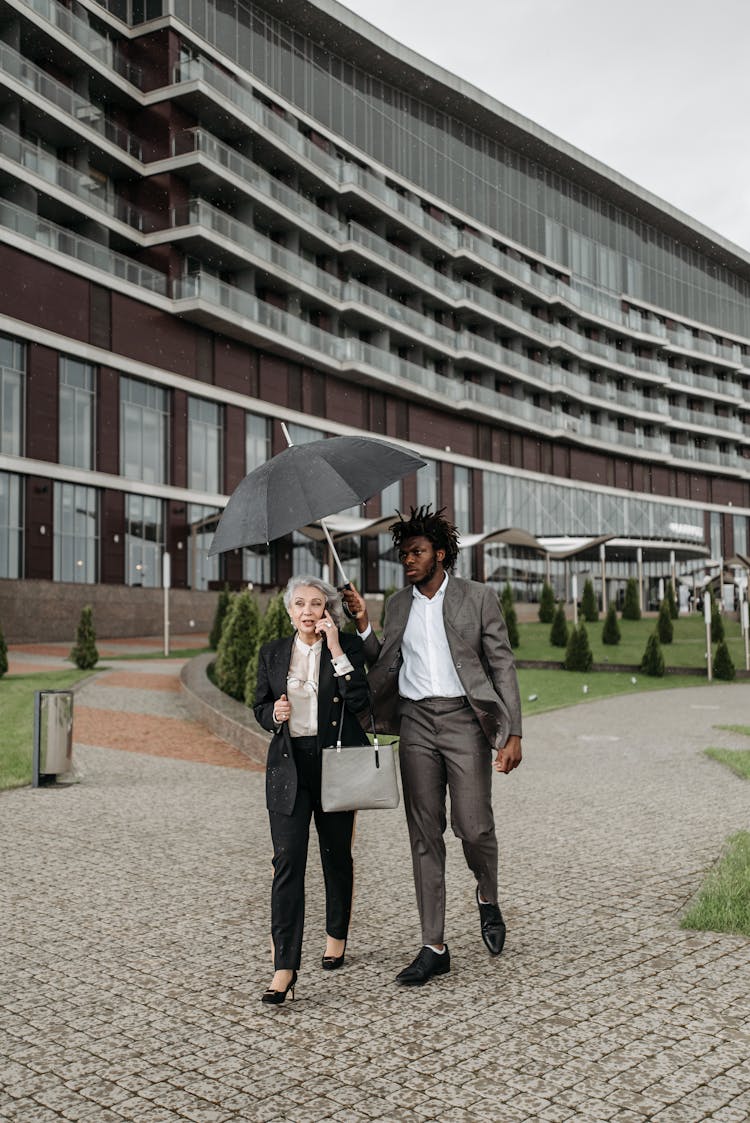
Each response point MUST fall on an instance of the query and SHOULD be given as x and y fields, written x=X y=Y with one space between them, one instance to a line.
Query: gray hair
x=333 y=598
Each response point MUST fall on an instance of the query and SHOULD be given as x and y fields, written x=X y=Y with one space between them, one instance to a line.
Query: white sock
x=438 y=951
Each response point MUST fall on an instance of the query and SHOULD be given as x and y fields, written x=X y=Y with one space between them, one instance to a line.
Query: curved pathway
x=135 y=940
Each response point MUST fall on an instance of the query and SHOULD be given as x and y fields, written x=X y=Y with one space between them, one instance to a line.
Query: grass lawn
x=554 y=689
x=180 y=653
x=17 y=730
x=723 y=904
x=688 y=648
x=736 y=759
x=736 y=729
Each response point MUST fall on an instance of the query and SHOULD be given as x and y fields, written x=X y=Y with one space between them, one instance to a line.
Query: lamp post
x=602 y=558
x=707 y=618
x=166 y=580
x=574 y=593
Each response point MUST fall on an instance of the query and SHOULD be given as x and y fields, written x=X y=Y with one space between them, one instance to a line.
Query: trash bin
x=53 y=735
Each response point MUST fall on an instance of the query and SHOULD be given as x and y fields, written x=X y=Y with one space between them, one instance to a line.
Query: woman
x=304 y=682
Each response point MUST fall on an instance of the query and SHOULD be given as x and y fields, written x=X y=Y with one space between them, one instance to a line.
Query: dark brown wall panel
x=178 y=440
x=108 y=422
x=100 y=317
x=112 y=537
x=234 y=447
x=700 y=488
x=729 y=491
x=587 y=466
x=38 y=551
x=42 y=411
x=273 y=379
x=151 y=336
x=178 y=541
x=345 y=402
x=235 y=367
x=41 y=294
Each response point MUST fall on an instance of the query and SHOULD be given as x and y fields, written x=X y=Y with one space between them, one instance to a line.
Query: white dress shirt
x=427 y=669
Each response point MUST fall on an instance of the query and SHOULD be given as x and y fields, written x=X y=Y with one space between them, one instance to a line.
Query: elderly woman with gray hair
x=304 y=683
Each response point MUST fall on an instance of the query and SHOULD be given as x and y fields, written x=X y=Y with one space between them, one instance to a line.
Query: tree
x=669 y=597
x=547 y=604
x=664 y=626
x=611 y=629
x=723 y=665
x=589 y=605
x=274 y=625
x=509 y=615
x=239 y=637
x=652 y=662
x=558 y=633
x=631 y=608
x=222 y=606
x=84 y=653
x=578 y=655
x=717 y=624
x=3 y=655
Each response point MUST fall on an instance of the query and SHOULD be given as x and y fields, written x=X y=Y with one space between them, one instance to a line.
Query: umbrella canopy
x=305 y=483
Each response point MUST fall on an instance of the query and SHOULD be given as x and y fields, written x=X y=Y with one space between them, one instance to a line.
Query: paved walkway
x=135 y=921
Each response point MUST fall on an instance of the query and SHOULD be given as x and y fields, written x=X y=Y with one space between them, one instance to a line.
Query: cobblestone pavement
x=135 y=916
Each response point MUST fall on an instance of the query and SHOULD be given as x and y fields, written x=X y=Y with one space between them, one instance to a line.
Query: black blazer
x=350 y=691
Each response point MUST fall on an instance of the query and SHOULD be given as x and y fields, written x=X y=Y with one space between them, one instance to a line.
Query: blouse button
x=334 y=723
x=337 y=699
x=348 y=678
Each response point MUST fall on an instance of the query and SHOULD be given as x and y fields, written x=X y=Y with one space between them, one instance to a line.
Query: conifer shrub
x=664 y=626
x=717 y=624
x=274 y=625
x=723 y=665
x=506 y=597
x=652 y=662
x=558 y=633
x=671 y=600
x=84 y=653
x=3 y=655
x=239 y=637
x=578 y=655
x=589 y=605
x=611 y=629
x=631 y=608
x=510 y=616
x=547 y=604
x=222 y=606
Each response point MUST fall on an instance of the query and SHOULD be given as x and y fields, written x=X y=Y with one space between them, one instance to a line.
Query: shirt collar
x=307 y=648
x=439 y=594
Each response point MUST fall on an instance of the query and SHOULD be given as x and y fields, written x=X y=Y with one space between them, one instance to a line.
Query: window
x=144 y=541
x=389 y=570
x=11 y=530
x=76 y=534
x=257 y=441
x=427 y=485
x=202 y=524
x=12 y=376
x=76 y=421
x=143 y=431
x=204 y=445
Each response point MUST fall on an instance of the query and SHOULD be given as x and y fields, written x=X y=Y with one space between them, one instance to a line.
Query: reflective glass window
x=143 y=431
x=76 y=413
x=11 y=530
x=201 y=567
x=12 y=383
x=75 y=534
x=204 y=445
x=144 y=541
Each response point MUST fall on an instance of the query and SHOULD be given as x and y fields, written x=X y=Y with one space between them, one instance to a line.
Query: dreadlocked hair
x=432 y=525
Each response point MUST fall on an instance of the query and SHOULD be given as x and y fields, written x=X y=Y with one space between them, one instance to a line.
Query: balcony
x=99 y=47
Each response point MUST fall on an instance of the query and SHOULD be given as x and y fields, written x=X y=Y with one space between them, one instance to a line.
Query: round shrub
x=84 y=653
x=547 y=604
x=578 y=655
x=558 y=634
x=664 y=626
x=723 y=665
x=652 y=662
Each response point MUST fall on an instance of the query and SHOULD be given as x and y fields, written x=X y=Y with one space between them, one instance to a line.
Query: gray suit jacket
x=478 y=642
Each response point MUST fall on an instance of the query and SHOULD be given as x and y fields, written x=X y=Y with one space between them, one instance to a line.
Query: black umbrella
x=304 y=483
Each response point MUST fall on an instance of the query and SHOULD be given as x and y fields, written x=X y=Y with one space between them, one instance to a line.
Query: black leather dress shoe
x=493 y=927
x=427 y=964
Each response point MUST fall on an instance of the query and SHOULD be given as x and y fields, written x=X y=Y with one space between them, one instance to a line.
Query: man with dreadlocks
x=443 y=677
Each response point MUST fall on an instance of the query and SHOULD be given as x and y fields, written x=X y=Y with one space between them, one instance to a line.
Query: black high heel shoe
x=333 y=962
x=276 y=997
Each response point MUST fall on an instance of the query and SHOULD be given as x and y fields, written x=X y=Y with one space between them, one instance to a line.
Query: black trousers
x=290 y=835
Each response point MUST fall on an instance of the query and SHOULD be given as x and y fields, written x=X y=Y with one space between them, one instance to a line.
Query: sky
x=656 y=89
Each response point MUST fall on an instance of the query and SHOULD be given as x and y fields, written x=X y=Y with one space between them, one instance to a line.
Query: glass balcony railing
x=81 y=187
x=81 y=111
x=708 y=382
x=689 y=341
x=696 y=417
x=63 y=241
x=99 y=46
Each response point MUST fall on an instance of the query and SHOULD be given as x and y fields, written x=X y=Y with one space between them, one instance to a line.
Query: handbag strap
x=372 y=722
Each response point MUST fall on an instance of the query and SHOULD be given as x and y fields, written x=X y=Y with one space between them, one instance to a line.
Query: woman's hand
x=282 y=709
x=327 y=628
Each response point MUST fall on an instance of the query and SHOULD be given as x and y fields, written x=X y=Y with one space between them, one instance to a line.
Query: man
x=444 y=679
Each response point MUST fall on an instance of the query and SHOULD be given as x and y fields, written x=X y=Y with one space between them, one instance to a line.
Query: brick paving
x=135 y=940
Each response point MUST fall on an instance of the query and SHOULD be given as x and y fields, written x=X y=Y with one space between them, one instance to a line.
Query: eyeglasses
x=307 y=685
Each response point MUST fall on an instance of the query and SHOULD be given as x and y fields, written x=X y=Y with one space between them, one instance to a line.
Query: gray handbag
x=358 y=777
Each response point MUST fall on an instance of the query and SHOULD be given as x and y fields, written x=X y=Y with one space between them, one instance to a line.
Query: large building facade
x=216 y=215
